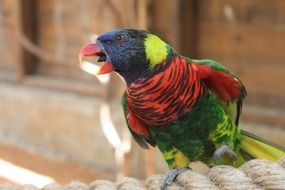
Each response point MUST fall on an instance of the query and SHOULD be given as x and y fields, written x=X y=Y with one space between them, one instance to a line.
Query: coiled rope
x=254 y=175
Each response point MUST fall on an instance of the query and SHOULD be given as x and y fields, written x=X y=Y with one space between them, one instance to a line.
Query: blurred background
x=59 y=123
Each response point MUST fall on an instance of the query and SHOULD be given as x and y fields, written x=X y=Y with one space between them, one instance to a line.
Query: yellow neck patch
x=155 y=49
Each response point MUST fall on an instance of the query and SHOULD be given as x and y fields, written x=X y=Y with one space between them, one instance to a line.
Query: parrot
x=188 y=108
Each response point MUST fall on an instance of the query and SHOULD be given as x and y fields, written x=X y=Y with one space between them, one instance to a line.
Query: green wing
x=224 y=83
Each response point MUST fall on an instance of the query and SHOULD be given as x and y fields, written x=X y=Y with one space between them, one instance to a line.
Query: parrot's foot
x=171 y=175
x=224 y=149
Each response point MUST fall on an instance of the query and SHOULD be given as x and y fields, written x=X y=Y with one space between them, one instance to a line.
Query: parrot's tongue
x=94 y=49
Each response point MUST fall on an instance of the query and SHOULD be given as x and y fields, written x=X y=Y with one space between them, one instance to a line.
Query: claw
x=170 y=176
x=224 y=149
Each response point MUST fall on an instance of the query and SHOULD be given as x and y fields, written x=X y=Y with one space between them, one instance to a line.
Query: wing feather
x=225 y=84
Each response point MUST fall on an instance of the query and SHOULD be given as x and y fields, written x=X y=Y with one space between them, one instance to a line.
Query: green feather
x=258 y=147
x=197 y=135
x=232 y=108
x=214 y=64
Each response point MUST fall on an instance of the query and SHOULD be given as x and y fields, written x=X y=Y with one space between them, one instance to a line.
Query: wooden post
x=189 y=28
x=142 y=14
x=28 y=27
x=22 y=22
x=12 y=6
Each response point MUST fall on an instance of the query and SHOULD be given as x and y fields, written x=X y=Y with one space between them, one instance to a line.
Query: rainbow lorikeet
x=186 y=107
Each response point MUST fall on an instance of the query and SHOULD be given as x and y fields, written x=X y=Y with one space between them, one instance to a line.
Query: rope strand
x=254 y=175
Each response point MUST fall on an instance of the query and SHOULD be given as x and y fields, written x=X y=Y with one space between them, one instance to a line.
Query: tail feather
x=253 y=146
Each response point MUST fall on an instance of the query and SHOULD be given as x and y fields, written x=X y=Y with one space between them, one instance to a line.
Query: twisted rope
x=254 y=175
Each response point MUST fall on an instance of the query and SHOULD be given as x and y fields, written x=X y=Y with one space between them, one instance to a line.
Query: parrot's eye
x=120 y=38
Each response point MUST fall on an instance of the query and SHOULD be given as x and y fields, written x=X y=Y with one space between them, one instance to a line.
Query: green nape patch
x=156 y=50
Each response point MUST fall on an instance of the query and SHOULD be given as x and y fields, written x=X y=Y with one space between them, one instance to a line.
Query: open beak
x=94 y=49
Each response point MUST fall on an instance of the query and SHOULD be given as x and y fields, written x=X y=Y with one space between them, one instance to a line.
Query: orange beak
x=94 y=49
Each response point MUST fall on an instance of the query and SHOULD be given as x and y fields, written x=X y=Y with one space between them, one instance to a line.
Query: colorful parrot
x=188 y=108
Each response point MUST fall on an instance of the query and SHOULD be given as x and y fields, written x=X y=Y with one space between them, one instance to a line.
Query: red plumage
x=136 y=124
x=163 y=97
x=226 y=86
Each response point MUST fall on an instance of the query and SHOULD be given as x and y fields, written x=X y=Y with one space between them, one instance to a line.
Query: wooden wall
x=248 y=37
x=40 y=40
x=8 y=47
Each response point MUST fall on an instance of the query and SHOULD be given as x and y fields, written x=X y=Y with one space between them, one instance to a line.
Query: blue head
x=131 y=53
